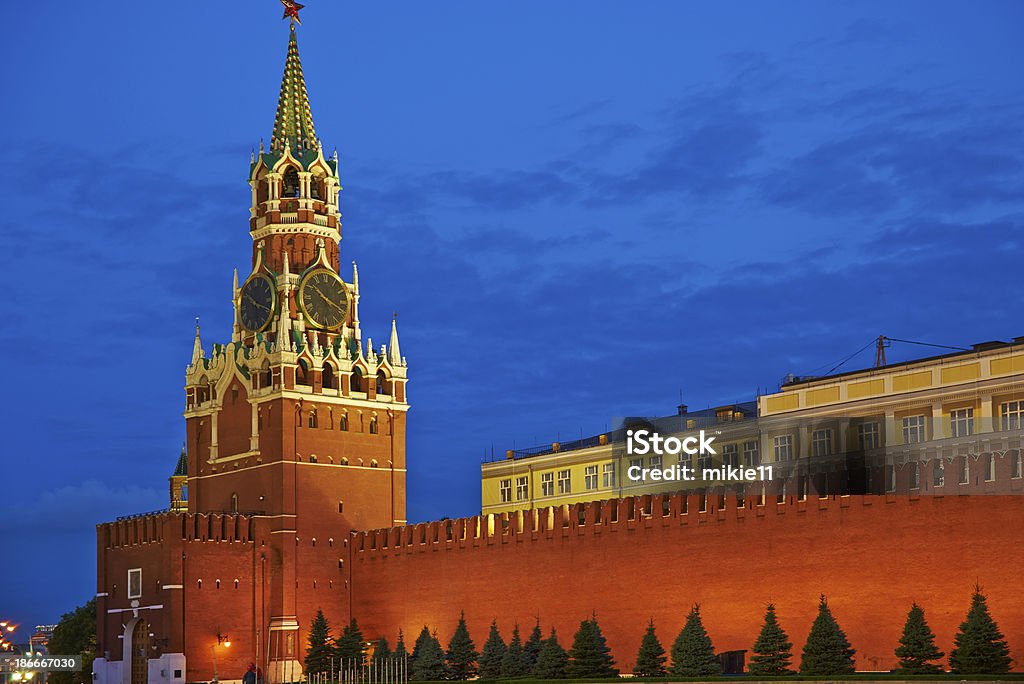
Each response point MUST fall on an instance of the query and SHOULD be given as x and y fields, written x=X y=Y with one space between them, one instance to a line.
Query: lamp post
x=221 y=641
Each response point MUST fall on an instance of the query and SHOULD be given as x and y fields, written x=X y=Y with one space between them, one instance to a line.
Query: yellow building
x=938 y=425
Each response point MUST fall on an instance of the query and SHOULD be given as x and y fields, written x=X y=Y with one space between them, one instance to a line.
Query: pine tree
x=773 y=651
x=693 y=655
x=531 y=649
x=381 y=651
x=319 y=651
x=461 y=655
x=552 y=659
x=513 y=663
x=917 y=645
x=350 y=648
x=426 y=664
x=979 y=646
x=650 y=660
x=590 y=655
x=490 y=657
x=827 y=651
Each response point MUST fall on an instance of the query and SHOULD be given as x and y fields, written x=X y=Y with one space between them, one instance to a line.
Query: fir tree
x=490 y=657
x=650 y=660
x=320 y=650
x=917 y=645
x=531 y=649
x=773 y=651
x=381 y=651
x=827 y=651
x=401 y=652
x=590 y=655
x=692 y=653
x=461 y=656
x=552 y=659
x=350 y=648
x=979 y=646
x=426 y=664
x=513 y=664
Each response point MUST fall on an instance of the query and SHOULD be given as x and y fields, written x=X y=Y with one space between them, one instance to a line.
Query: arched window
x=373 y=425
x=291 y=183
x=316 y=187
x=302 y=373
x=262 y=189
x=328 y=376
x=357 y=380
x=343 y=423
x=266 y=377
x=312 y=418
x=234 y=503
x=381 y=382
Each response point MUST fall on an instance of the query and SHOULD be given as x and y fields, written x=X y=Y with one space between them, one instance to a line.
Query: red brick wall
x=872 y=556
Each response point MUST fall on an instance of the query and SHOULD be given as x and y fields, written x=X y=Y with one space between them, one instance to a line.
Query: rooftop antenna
x=880 y=352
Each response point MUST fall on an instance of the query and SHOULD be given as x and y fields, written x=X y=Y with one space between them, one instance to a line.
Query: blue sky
x=578 y=209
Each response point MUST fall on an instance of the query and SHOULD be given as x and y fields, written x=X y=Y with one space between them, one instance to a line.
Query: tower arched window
x=373 y=425
x=291 y=183
x=381 y=382
x=328 y=376
x=302 y=373
x=357 y=380
x=343 y=423
x=234 y=503
x=316 y=187
x=312 y=419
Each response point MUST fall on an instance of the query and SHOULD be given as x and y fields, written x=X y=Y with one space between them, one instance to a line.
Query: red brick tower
x=297 y=419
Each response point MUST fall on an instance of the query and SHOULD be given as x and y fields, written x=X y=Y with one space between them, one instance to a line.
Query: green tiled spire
x=181 y=470
x=294 y=120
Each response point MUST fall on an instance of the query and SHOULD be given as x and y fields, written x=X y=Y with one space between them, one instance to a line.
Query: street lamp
x=224 y=641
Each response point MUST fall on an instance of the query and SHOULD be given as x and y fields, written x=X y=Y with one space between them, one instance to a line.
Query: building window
x=547 y=484
x=343 y=423
x=913 y=430
x=522 y=488
x=869 y=435
x=1012 y=413
x=655 y=461
x=506 y=490
x=234 y=502
x=731 y=455
x=784 y=448
x=704 y=463
x=965 y=471
x=939 y=473
x=915 y=475
x=312 y=419
x=821 y=442
x=564 y=482
x=590 y=477
x=751 y=454
x=990 y=467
x=961 y=422
x=135 y=583
x=636 y=463
x=608 y=475
x=1018 y=465
x=373 y=425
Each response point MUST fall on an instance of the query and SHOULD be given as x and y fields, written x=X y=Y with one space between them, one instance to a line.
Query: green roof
x=181 y=470
x=294 y=121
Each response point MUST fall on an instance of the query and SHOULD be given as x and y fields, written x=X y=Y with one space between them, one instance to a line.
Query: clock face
x=324 y=299
x=256 y=304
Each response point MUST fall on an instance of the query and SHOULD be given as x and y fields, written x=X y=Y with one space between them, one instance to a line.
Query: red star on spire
x=291 y=10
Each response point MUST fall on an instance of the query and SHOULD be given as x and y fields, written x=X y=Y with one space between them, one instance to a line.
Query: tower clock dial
x=256 y=303
x=324 y=298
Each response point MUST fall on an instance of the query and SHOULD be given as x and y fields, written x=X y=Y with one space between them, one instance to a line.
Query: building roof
x=293 y=124
x=181 y=470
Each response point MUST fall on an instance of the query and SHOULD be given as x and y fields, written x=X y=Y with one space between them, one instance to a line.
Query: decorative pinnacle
x=293 y=124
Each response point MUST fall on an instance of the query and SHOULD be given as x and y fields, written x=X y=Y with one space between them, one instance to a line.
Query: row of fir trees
x=979 y=649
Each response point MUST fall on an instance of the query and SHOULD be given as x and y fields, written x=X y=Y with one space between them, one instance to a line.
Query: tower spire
x=394 y=352
x=294 y=121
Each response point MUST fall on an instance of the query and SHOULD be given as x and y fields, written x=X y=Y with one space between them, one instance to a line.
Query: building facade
x=289 y=496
